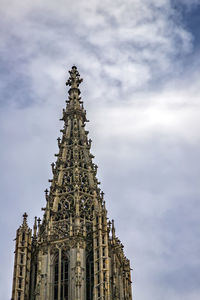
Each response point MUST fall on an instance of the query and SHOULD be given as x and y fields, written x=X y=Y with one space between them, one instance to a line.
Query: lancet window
x=20 y=283
x=89 y=277
x=21 y=258
x=61 y=277
x=20 y=271
x=18 y=295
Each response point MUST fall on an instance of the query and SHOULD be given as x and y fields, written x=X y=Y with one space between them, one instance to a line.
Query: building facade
x=73 y=253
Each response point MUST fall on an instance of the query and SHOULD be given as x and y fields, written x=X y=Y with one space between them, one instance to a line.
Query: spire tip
x=74 y=78
x=25 y=219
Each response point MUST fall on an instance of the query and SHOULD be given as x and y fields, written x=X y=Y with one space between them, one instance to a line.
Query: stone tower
x=73 y=253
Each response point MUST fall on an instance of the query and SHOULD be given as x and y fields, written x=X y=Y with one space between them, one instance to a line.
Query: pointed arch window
x=60 y=277
x=23 y=236
x=89 y=276
x=18 y=295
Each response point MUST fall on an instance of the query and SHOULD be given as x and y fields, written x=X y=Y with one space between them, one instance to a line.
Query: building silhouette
x=73 y=253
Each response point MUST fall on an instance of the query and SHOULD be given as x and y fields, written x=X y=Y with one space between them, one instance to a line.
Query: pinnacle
x=24 y=224
x=25 y=216
x=74 y=79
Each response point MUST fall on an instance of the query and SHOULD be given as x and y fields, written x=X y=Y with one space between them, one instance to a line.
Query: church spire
x=74 y=173
x=73 y=253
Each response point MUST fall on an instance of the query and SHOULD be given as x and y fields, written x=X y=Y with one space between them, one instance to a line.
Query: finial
x=35 y=228
x=113 y=229
x=25 y=215
x=89 y=143
x=109 y=226
x=39 y=220
x=102 y=194
x=53 y=167
x=25 y=218
x=58 y=139
x=104 y=204
x=46 y=194
x=74 y=79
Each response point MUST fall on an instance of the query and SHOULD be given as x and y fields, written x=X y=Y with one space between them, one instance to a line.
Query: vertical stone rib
x=59 y=272
x=95 y=258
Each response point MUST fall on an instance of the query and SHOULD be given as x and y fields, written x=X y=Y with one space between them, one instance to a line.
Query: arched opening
x=60 y=277
x=89 y=276
x=56 y=278
x=64 y=278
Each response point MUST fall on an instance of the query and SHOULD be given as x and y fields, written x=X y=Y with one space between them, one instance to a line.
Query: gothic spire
x=74 y=252
x=74 y=188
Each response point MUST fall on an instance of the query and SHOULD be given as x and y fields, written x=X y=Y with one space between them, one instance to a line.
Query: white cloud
x=141 y=36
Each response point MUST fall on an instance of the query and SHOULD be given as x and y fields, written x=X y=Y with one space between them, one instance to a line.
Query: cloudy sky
x=140 y=62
